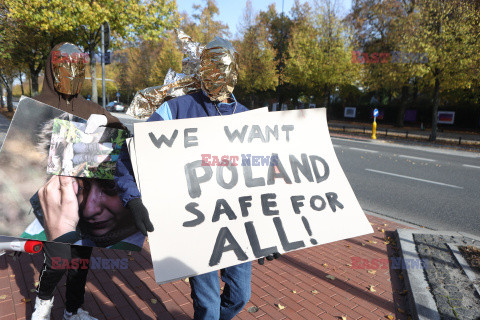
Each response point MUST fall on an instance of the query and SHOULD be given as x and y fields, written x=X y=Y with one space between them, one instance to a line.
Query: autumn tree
x=129 y=20
x=202 y=26
x=447 y=31
x=320 y=53
x=257 y=68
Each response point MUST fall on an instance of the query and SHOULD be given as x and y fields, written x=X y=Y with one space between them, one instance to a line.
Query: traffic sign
x=375 y=113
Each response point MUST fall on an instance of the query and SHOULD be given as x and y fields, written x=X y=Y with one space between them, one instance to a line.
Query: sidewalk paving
x=298 y=281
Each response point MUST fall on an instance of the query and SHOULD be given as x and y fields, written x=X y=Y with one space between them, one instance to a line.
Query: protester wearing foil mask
x=218 y=73
x=64 y=76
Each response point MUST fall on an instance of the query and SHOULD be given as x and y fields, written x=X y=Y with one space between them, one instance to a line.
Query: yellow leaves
x=153 y=301
x=324 y=265
x=294 y=291
x=25 y=300
x=343 y=317
x=372 y=288
x=187 y=280
x=279 y=306
x=314 y=292
x=390 y=317
x=372 y=271
x=3 y=297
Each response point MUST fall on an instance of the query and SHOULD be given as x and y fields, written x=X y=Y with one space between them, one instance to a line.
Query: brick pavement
x=295 y=286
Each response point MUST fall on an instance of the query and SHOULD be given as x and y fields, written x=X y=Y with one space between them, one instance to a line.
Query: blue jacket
x=195 y=105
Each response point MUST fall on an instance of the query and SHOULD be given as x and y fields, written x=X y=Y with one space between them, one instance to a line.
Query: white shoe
x=80 y=315
x=42 y=309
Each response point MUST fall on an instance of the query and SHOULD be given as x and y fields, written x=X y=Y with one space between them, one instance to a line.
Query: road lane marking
x=416 y=158
x=364 y=150
x=417 y=179
x=470 y=166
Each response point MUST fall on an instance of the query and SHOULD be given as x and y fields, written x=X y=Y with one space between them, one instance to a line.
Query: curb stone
x=465 y=266
x=422 y=303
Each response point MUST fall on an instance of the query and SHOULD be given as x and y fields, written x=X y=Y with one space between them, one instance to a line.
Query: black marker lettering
x=158 y=142
x=303 y=166
x=189 y=141
x=258 y=252
x=192 y=208
x=223 y=236
x=193 y=181
x=222 y=207
x=315 y=168
x=287 y=246
x=333 y=202
x=231 y=136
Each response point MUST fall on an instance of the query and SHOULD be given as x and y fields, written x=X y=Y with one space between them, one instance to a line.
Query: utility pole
x=103 y=64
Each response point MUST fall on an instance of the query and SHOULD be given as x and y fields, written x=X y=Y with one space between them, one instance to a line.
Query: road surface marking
x=470 y=166
x=417 y=179
x=416 y=158
x=364 y=150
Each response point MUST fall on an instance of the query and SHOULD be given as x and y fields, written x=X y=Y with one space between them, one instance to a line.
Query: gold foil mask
x=218 y=69
x=68 y=66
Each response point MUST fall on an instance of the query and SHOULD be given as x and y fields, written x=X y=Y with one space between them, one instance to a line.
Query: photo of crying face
x=101 y=209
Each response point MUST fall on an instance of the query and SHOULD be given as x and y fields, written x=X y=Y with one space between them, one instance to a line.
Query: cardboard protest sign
x=78 y=154
x=132 y=152
x=226 y=190
x=24 y=158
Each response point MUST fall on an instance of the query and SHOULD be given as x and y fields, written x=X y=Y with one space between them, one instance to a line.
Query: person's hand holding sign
x=58 y=198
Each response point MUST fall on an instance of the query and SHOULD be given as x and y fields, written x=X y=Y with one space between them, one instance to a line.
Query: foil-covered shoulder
x=146 y=101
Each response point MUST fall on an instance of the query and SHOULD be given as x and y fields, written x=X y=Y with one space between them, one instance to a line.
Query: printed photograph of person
x=101 y=219
x=75 y=153
x=24 y=158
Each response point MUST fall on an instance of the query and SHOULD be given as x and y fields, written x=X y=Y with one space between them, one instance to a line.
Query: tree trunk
x=93 y=74
x=9 y=96
x=21 y=84
x=403 y=106
x=1 y=97
x=34 y=72
x=436 y=102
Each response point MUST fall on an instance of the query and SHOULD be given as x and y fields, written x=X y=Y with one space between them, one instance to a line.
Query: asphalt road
x=431 y=187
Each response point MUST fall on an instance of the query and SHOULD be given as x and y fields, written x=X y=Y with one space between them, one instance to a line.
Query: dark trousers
x=58 y=260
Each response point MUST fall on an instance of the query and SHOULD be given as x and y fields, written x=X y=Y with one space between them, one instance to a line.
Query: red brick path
x=293 y=287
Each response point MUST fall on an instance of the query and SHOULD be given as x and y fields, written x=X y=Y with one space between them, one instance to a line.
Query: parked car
x=115 y=106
